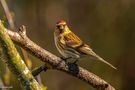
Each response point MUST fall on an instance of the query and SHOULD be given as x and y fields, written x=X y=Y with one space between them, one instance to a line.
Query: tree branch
x=57 y=63
x=15 y=62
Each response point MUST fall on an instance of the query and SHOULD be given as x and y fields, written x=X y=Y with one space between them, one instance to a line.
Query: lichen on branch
x=15 y=62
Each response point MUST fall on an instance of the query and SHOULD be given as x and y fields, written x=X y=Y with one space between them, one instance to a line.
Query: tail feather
x=101 y=59
x=85 y=49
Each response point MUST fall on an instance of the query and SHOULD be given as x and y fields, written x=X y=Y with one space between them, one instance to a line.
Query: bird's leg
x=75 y=61
x=65 y=59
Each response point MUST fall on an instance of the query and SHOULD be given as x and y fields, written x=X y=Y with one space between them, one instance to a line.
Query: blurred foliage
x=107 y=25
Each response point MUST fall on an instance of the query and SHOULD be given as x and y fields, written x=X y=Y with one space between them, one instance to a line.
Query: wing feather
x=71 y=40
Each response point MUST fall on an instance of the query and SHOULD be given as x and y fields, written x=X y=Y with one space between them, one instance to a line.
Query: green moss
x=15 y=62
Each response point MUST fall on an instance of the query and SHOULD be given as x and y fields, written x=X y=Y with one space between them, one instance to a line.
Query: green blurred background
x=107 y=25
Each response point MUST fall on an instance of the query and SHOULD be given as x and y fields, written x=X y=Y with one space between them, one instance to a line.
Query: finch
x=71 y=46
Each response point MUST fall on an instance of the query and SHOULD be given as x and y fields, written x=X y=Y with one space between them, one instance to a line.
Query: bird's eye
x=64 y=25
x=58 y=26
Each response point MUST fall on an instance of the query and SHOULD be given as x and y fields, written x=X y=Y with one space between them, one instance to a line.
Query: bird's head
x=61 y=27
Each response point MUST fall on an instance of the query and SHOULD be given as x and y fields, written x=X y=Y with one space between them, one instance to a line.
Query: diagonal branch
x=56 y=62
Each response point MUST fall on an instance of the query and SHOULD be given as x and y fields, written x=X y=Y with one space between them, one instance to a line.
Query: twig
x=58 y=63
x=6 y=77
x=1 y=84
x=36 y=71
x=8 y=15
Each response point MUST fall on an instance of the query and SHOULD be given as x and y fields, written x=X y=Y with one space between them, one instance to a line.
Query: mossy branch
x=15 y=62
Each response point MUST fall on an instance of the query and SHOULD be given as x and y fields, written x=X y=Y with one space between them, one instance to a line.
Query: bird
x=70 y=46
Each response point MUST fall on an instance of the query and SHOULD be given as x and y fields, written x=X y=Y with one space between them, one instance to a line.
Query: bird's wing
x=85 y=49
x=71 y=40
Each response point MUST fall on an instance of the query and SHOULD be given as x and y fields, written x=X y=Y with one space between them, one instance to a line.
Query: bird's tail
x=101 y=59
